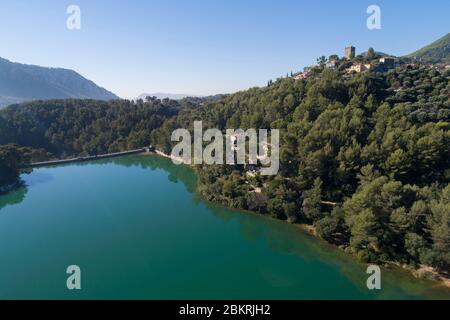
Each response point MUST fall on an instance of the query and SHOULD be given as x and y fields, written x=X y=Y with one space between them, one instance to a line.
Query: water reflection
x=18 y=194
x=14 y=197
x=278 y=236
x=149 y=162
x=177 y=173
x=37 y=178
x=289 y=239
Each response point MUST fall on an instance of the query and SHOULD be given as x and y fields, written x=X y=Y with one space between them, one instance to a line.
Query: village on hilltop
x=352 y=64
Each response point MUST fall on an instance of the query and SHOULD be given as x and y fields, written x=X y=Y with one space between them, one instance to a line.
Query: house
x=303 y=75
x=331 y=64
x=350 y=52
x=390 y=62
x=359 y=67
x=300 y=75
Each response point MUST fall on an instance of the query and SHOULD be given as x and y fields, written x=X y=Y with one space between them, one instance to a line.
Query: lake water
x=137 y=230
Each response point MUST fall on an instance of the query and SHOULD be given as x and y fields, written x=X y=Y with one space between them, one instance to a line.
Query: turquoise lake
x=138 y=230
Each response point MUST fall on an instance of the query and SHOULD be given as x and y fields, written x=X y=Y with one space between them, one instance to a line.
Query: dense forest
x=11 y=157
x=43 y=130
x=74 y=127
x=364 y=158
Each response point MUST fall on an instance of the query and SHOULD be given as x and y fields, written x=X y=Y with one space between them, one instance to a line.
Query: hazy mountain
x=437 y=52
x=21 y=82
x=160 y=95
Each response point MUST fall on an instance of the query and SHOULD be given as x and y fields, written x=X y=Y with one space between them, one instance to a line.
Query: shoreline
x=424 y=272
x=82 y=159
x=9 y=187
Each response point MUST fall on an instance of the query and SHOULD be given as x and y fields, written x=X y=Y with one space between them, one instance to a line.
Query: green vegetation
x=9 y=171
x=437 y=52
x=84 y=127
x=11 y=156
x=364 y=158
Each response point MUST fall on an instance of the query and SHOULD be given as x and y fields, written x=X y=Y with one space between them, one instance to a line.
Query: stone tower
x=350 y=52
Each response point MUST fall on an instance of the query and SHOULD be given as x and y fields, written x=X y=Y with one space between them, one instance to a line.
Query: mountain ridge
x=24 y=82
x=436 y=52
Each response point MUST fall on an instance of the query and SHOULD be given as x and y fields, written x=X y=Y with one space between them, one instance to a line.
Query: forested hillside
x=436 y=52
x=78 y=127
x=365 y=159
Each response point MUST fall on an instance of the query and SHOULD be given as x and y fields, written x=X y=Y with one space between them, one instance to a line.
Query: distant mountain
x=437 y=52
x=160 y=95
x=21 y=82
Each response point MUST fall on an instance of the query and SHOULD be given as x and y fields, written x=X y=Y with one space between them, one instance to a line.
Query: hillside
x=20 y=82
x=437 y=52
x=363 y=158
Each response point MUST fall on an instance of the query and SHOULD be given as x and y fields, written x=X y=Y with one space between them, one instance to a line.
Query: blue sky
x=205 y=47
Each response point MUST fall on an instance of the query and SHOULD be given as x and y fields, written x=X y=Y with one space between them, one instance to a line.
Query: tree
x=370 y=54
x=326 y=227
x=332 y=227
x=334 y=57
x=439 y=224
x=397 y=164
x=365 y=231
x=322 y=61
x=9 y=162
x=415 y=245
x=312 y=199
x=368 y=214
x=290 y=210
